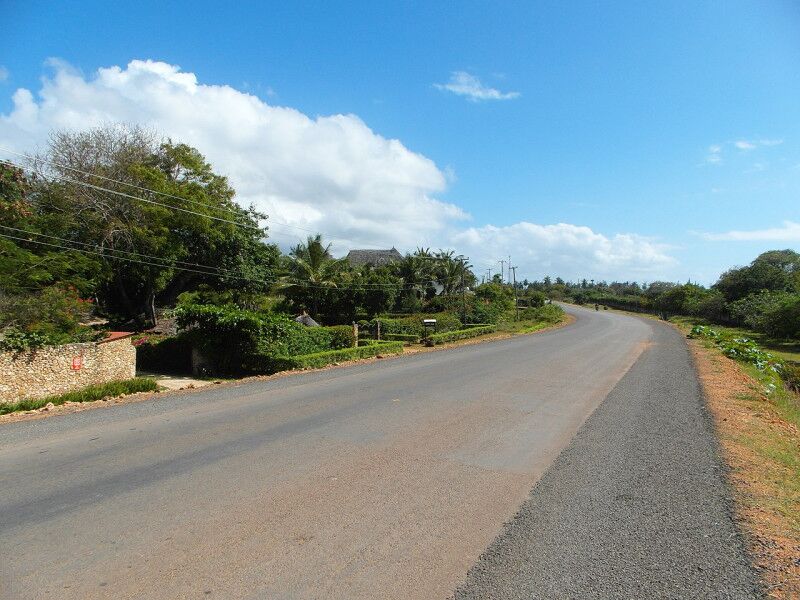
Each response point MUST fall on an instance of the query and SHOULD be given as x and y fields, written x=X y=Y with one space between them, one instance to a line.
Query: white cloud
x=464 y=84
x=790 y=232
x=331 y=174
x=3 y=73
x=566 y=250
x=753 y=144
x=714 y=154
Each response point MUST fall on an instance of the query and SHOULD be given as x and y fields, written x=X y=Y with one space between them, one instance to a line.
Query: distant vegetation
x=116 y=228
x=763 y=296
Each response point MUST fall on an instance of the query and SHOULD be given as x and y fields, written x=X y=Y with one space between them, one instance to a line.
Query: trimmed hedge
x=87 y=394
x=412 y=324
x=461 y=334
x=244 y=341
x=409 y=338
x=342 y=336
x=322 y=359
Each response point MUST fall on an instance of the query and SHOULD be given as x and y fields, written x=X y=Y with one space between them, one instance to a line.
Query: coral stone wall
x=58 y=369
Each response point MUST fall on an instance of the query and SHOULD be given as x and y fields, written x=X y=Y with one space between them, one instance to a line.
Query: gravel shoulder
x=635 y=507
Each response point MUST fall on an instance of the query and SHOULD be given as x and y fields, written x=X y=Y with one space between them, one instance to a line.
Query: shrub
x=52 y=316
x=412 y=324
x=461 y=334
x=408 y=338
x=87 y=394
x=341 y=336
x=321 y=359
x=549 y=313
x=240 y=339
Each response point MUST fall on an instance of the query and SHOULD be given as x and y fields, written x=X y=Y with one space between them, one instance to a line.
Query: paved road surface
x=386 y=480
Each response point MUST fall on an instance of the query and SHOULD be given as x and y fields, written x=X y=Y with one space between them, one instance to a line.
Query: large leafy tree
x=776 y=270
x=153 y=217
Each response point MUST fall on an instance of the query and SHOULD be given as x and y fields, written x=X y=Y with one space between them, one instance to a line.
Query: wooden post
x=378 y=330
x=355 y=334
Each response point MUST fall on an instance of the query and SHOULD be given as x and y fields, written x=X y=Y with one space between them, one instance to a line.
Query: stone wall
x=58 y=369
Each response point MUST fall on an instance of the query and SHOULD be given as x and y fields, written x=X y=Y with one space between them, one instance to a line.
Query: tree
x=776 y=270
x=312 y=272
x=161 y=219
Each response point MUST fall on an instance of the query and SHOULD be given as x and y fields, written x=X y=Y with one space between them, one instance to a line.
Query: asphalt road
x=389 y=480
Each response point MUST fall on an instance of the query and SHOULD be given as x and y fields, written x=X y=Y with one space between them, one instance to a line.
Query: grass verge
x=87 y=394
x=757 y=421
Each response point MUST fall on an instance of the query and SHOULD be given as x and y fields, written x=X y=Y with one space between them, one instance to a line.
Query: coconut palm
x=312 y=271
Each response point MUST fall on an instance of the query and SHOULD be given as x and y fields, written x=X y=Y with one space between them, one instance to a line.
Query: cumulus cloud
x=570 y=251
x=330 y=174
x=464 y=84
x=790 y=232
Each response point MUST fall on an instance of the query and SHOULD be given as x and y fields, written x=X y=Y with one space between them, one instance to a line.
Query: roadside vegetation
x=118 y=228
x=88 y=394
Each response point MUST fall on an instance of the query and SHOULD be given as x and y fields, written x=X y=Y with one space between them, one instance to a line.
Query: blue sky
x=663 y=122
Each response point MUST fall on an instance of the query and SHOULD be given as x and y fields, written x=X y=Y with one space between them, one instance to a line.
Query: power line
x=132 y=197
x=120 y=182
x=211 y=270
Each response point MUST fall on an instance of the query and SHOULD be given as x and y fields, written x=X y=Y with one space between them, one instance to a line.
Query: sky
x=628 y=141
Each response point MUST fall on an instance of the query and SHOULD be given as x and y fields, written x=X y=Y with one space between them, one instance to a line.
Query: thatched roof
x=376 y=258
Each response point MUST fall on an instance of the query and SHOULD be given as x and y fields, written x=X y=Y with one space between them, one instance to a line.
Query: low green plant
x=461 y=334
x=87 y=394
x=321 y=359
x=409 y=338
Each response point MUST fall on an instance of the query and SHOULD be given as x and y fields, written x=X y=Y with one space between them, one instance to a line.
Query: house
x=375 y=258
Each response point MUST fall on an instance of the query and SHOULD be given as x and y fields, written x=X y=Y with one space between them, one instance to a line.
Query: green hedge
x=321 y=359
x=341 y=336
x=461 y=334
x=410 y=338
x=412 y=324
x=87 y=394
x=242 y=340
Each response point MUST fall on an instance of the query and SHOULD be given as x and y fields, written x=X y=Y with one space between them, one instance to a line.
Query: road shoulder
x=636 y=506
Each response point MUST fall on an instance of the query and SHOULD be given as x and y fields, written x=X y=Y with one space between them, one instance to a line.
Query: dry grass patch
x=761 y=445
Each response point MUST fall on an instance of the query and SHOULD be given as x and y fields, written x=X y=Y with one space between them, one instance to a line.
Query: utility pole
x=489 y=276
x=463 y=260
x=502 y=269
x=516 y=302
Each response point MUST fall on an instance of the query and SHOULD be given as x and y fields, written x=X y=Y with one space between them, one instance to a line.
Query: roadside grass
x=91 y=393
x=758 y=422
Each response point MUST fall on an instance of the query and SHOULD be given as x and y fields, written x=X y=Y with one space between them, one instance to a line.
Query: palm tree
x=313 y=271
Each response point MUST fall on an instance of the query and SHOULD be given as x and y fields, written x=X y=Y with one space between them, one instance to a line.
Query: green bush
x=412 y=324
x=461 y=334
x=239 y=340
x=341 y=336
x=167 y=355
x=87 y=394
x=549 y=313
x=321 y=359
x=408 y=338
